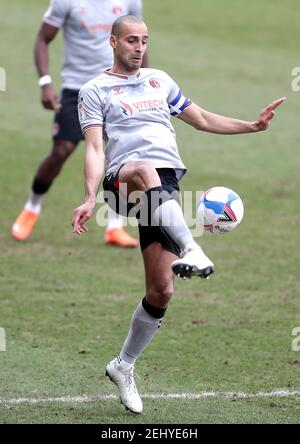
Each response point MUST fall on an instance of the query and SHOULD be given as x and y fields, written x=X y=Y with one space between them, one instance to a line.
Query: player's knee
x=61 y=151
x=145 y=176
x=160 y=296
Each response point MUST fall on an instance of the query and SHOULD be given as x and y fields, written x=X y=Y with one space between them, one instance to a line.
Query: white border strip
x=201 y=395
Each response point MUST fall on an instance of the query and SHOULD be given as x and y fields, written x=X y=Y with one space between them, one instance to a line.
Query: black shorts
x=148 y=234
x=66 y=124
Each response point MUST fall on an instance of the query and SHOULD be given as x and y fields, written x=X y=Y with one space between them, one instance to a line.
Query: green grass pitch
x=66 y=303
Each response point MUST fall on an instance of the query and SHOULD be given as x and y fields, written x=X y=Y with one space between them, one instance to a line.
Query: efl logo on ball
x=220 y=210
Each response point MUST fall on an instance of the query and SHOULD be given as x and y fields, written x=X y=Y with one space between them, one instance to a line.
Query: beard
x=130 y=65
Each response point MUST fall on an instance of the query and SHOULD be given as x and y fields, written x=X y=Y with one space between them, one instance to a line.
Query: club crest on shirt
x=117 y=90
x=154 y=83
x=117 y=10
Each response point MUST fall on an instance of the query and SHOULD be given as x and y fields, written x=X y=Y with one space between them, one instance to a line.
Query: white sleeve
x=136 y=8
x=90 y=111
x=176 y=100
x=57 y=12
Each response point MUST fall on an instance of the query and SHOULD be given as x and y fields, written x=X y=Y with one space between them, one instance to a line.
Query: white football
x=220 y=210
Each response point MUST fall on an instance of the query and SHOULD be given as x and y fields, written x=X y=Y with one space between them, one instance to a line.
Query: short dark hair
x=118 y=24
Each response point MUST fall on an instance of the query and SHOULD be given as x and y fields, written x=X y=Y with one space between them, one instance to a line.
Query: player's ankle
x=35 y=208
x=123 y=364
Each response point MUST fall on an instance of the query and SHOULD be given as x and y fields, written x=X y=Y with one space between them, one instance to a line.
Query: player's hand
x=267 y=114
x=81 y=215
x=50 y=98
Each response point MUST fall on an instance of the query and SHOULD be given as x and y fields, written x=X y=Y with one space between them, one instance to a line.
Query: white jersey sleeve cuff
x=52 y=23
x=92 y=125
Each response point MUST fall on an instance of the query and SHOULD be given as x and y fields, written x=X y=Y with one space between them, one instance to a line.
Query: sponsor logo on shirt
x=142 y=106
x=126 y=109
x=97 y=27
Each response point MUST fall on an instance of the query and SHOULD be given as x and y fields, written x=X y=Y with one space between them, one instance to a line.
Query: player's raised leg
x=166 y=212
x=145 y=322
x=47 y=171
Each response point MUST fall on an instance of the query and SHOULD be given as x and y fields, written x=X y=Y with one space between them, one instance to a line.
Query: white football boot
x=193 y=262
x=124 y=379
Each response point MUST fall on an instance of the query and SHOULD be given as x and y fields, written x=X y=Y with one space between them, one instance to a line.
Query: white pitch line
x=201 y=395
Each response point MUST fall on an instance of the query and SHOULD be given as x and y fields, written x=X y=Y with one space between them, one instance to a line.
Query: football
x=220 y=210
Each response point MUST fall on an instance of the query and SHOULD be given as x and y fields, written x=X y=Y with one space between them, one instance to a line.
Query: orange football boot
x=23 y=226
x=120 y=238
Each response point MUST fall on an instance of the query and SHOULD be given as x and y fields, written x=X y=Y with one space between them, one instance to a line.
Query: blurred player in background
x=132 y=107
x=87 y=53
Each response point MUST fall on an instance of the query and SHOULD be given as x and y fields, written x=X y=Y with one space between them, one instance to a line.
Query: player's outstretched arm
x=214 y=123
x=94 y=168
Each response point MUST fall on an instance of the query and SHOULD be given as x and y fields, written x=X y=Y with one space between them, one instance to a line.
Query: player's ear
x=113 y=41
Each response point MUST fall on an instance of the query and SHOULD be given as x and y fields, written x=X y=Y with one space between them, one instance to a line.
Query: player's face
x=131 y=46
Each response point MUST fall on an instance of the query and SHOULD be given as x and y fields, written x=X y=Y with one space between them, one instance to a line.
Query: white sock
x=170 y=217
x=143 y=328
x=114 y=220
x=34 y=203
